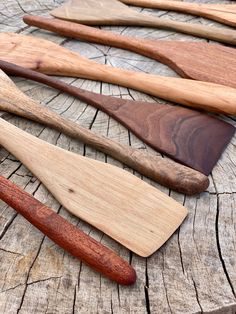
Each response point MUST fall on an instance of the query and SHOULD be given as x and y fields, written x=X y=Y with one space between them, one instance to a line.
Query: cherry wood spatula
x=113 y=12
x=111 y=199
x=66 y=235
x=195 y=60
x=47 y=57
x=188 y=136
x=168 y=173
x=223 y=13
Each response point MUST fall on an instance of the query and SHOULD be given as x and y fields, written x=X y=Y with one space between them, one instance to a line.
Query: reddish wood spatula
x=190 y=137
x=196 y=60
x=66 y=235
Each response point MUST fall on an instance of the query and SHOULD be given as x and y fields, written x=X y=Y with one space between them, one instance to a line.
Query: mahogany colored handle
x=70 y=238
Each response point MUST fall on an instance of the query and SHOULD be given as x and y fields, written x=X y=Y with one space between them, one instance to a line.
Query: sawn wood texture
x=45 y=56
x=188 y=136
x=66 y=235
x=113 y=12
x=166 y=172
x=223 y=13
x=196 y=60
x=132 y=212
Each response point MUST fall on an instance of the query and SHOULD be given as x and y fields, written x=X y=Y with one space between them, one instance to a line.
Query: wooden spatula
x=118 y=203
x=168 y=173
x=45 y=56
x=223 y=13
x=66 y=235
x=190 y=137
x=113 y=12
x=195 y=60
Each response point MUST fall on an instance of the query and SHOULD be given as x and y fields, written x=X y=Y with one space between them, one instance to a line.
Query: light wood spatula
x=168 y=173
x=113 y=12
x=196 y=60
x=118 y=203
x=47 y=57
x=66 y=235
x=188 y=136
x=223 y=13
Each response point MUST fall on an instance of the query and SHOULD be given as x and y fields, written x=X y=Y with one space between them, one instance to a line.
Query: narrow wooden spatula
x=113 y=12
x=223 y=13
x=47 y=57
x=66 y=235
x=118 y=203
x=166 y=172
x=196 y=60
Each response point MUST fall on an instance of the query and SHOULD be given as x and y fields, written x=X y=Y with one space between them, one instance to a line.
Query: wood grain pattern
x=116 y=202
x=223 y=13
x=179 y=132
x=91 y=12
x=47 y=57
x=195 y=60
x=70 y=238
x=166 y=172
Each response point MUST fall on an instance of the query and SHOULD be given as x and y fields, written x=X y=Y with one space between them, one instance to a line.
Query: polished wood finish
x=195 y=60
x=45 y=56
x=113 y=12
x=162 y=170
x=116 y=202
x=66 y=235
x=223 y=13
x=183 y=134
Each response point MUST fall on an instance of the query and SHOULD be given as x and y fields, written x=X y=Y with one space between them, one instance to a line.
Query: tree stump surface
x=194 y=272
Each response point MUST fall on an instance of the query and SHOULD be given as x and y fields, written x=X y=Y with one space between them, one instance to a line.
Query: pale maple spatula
x=118 y=203
x=223 y=13
x=113 y=12
x=196 y=60
x=168 y=173
x=47 y=57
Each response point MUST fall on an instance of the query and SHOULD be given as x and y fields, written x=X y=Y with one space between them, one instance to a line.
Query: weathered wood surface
x=193 y=273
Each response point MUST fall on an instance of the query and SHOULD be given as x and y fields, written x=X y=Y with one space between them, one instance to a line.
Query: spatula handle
x=66 y=235
x=168 y=173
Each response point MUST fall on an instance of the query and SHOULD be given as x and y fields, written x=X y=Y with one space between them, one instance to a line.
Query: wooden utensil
x=66 y=235
x=47 y=57
x=195 y=60
x=111 y=199
x=113 y=12
x=179 y=132
x=168 y=173
x=223 y=13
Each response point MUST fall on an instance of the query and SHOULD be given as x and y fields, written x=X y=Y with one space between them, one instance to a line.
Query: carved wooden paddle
x=188 y=136
x=66 y=235
x=168 y=173
x=195 y=60
x=45 y=56
x=113 y=12
x=118 y=203
x=223 y=13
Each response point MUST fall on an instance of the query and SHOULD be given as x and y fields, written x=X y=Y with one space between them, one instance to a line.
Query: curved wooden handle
x=70 y=238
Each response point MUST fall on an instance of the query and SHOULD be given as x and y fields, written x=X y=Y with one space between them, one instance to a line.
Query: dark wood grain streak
x=67 y=236
x=188 y=136
x=195 y=60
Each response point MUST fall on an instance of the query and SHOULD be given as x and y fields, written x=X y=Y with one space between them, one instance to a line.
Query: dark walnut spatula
x=168 y=173
x=113 y=12
x=195 y=60
x=66 y=235
x=47 y=57
x=190 y=137
x=223 y=13
x=111 y=199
